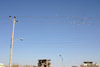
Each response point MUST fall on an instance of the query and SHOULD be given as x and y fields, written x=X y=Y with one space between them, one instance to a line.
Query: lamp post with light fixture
x=11 y=46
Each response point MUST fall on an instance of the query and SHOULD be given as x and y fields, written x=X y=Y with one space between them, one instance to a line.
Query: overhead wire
x=68 y=18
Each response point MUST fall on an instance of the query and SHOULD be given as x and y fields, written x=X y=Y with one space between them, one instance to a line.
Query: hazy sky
x=50 y=28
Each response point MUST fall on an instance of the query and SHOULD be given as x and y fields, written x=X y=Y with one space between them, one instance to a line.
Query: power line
x=67 y=17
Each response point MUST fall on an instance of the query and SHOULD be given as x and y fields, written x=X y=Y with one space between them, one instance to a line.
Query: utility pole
x=11 y=47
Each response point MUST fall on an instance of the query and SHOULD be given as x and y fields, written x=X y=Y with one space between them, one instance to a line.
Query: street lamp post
x=11 y=47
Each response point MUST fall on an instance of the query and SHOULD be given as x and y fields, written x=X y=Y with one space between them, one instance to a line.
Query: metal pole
x=11 y=48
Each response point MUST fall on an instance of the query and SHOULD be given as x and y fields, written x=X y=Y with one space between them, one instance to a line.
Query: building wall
x=89 y=64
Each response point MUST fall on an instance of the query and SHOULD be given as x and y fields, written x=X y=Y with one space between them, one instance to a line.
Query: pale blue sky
x=47 y=32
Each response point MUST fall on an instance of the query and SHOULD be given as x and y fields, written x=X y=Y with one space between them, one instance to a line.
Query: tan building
x=74 y=66
x=2 y=65
x=89 y=64
x=44 y=63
